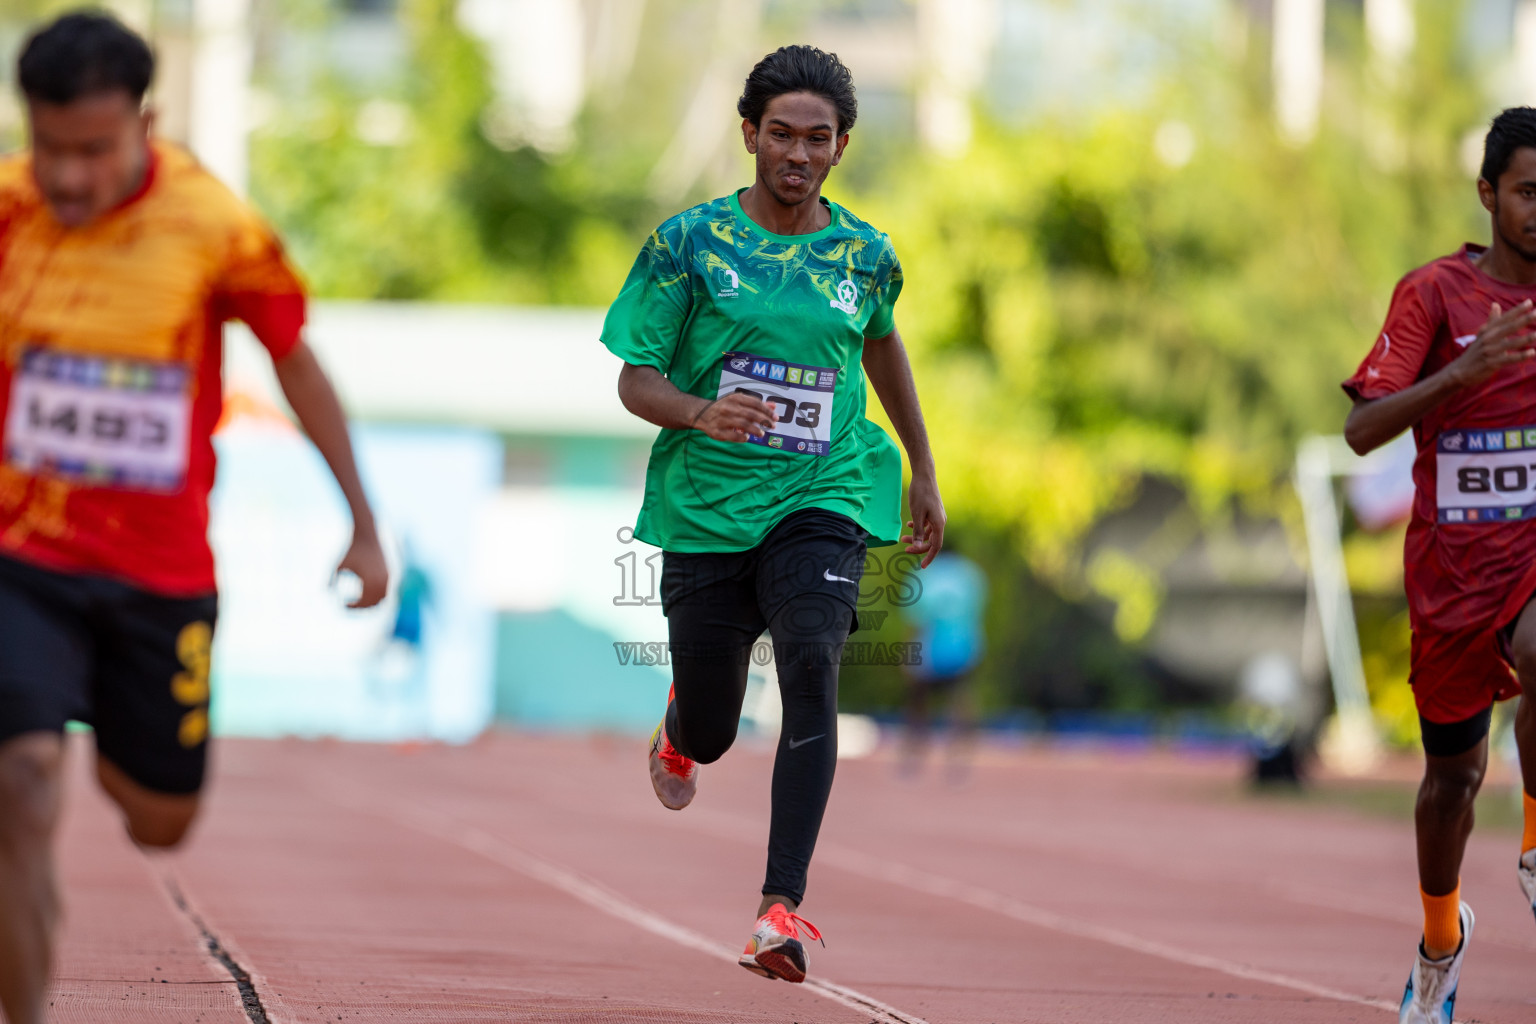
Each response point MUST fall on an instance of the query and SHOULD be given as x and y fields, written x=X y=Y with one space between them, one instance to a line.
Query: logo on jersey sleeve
x=847 y=297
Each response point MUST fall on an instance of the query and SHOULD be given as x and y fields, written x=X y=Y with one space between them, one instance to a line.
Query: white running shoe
x=1528 y=876
x=674 y=777
x=1430 y=997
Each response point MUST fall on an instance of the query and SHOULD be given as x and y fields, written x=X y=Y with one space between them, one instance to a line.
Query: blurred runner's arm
x=314 y=402
x=890 y=373
x=1503 y=340
x=655 y=399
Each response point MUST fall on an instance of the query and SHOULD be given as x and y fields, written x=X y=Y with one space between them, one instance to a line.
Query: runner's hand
x=1505 y=339
x=365 y=560
x=927 y=522
x=735 y=417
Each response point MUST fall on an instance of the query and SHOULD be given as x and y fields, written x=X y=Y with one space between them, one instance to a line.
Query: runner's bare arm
x=890 y=373
x=1503 y=340
x=655 y=399
x=314 y=402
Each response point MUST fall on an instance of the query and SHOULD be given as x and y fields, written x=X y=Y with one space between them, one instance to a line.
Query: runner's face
x=88 y=156
x=796 y=145
x=1513 y=204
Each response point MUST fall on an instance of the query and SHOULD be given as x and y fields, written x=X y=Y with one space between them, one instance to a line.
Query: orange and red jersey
x=110 y=369
x=1471 y=543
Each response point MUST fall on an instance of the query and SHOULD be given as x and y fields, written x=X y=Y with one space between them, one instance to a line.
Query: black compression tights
x=711 y=648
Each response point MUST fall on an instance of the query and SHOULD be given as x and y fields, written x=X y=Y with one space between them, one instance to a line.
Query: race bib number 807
x=100 y=422
x=1485 y=476
x=800 y=395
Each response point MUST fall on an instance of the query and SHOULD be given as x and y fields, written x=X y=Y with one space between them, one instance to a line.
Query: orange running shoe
x=775 y=949
x=674 y=777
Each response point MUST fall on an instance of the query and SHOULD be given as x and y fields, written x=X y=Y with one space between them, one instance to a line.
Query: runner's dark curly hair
x=1511 y=130
x=83 y=53
x=800 y=69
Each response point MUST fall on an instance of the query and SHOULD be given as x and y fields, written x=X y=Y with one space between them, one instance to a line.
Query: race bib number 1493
x=800 y=395
x=1485 y=476
x=100 y=422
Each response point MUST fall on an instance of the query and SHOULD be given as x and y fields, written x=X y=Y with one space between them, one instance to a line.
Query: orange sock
x=1529 y=842
x=1442 y=919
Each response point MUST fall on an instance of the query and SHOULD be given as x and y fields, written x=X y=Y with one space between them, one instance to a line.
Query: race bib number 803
x=100 y=422
x=800 y=395
x=1485 y=476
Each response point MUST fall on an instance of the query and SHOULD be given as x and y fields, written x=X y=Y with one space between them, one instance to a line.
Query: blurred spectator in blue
x=948 y=619
x=398 y=673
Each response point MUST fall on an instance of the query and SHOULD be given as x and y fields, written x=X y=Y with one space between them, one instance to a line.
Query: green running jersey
x=719 y=305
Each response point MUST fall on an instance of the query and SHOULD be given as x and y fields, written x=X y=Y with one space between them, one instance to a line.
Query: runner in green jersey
x=748 y=327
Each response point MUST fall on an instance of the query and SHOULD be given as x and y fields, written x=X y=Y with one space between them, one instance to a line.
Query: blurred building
x=538 y=544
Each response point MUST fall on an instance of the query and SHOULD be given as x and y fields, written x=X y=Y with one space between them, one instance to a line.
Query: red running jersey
x=110 y=352
x=1472 y=536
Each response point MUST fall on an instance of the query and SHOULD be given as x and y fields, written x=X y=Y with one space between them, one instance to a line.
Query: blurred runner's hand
x=927 y=522
x=365 y=560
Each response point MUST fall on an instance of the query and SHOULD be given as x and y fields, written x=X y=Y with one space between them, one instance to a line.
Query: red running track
x=528 y=878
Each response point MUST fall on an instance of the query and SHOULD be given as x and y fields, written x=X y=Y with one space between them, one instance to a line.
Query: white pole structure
x=1390 y=31
x=221 y=82
x=707 y=128
x=538 y=57
x=956 y=38
x=1350 y=743
x=1298 y=67
x=1525 y=51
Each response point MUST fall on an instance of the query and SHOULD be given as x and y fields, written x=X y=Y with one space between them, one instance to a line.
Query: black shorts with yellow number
x=132 y=664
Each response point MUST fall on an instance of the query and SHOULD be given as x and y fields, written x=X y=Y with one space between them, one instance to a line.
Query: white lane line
x=728 y=826
x=444 y=827
x=986 y=899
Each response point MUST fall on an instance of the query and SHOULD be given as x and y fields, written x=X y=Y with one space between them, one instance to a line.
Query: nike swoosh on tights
x=826 y=574
x=795 y=744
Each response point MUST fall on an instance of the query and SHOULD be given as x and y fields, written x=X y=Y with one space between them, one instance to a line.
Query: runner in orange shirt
x=120 y=259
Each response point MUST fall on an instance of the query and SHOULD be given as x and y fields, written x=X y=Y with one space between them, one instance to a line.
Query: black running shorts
x=132 y=664
x=811 y=551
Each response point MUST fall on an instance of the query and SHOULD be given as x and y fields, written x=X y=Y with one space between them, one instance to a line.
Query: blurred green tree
x=1173 y=292
x=1160 y=290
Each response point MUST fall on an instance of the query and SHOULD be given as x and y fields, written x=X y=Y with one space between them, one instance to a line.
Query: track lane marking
x=986 y=899
x=446 y=828
x=726 y=826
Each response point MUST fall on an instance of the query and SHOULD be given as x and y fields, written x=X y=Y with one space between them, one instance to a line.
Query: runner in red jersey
x=1454 y=361
x=120 y=260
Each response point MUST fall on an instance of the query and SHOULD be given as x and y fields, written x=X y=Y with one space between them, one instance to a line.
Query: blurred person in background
x=120 y=258
x=1454 y=362
x=947 y=616
x=747 y=327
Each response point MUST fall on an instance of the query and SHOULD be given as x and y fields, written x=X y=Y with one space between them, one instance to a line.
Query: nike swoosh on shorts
x=826 y=574
x=795 y=744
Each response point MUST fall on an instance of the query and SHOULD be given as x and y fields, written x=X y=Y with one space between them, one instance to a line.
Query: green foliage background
x=1084 y=314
